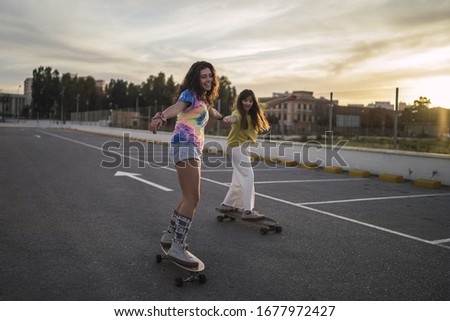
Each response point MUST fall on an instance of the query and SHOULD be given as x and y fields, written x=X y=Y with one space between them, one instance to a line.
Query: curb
x=428 y=183
x=333 y=169
x=390 y=178
x=358 y=173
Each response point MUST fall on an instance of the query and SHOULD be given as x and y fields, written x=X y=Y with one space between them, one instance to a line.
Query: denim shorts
x=181 y=152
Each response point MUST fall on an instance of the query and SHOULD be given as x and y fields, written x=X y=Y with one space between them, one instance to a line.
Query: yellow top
x=237 y=135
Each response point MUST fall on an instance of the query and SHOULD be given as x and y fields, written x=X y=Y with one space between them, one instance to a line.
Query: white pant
x=241 y=193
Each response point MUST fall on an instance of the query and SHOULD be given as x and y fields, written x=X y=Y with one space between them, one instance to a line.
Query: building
x=28 y=91
x=381 y=104
x=403 y=106
x=293 y=116
x=11 y=105
x=100 y=85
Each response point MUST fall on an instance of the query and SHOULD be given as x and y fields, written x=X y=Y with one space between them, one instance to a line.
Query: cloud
x=271 y=46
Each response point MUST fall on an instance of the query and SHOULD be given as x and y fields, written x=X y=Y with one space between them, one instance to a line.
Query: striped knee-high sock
x=173 y=222
x=182 y=229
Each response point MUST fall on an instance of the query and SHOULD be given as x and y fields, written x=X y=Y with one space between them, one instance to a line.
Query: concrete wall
x=410 y=165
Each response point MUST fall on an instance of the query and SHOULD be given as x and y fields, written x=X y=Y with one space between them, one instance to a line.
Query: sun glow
x=434 y=88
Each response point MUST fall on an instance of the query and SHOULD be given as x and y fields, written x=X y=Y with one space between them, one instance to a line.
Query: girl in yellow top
x=247 y=121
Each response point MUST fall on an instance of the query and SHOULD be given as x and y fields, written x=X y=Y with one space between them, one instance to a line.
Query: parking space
x=74 y=230
x=401 y=209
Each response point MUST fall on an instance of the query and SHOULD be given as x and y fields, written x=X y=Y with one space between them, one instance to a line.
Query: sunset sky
x=359 y=50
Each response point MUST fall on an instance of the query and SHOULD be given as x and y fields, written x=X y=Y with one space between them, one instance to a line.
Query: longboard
x=194 y=274
x=267 y=224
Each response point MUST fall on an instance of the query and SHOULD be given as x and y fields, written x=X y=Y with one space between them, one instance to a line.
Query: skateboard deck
x=194 y=274
x=267 y=224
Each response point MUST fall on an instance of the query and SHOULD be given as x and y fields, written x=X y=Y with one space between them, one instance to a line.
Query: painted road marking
x=303 y=205
x=135 y=176
x=374 y=199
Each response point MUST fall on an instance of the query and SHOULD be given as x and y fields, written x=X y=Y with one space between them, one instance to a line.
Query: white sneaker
x=223 y=208
x=252 y=215
x=177 y=252
x=166 y=239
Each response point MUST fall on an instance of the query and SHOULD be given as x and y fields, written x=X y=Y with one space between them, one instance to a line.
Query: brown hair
x=258 y=119
x=192 y=82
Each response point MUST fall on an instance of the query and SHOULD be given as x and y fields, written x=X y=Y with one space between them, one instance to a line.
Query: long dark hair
x=192 y=82
x=258 y=119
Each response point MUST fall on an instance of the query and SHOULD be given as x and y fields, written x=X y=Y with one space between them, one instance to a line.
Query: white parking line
x=254 y=169
x=311 y=180
x=129 y=157
x=368 y=225
x=374 y=199
x=441 y=241
x=303 y=205
x=355 y=221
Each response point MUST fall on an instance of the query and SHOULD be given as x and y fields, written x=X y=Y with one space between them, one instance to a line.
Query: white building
x=27 y=90
x=381 y=104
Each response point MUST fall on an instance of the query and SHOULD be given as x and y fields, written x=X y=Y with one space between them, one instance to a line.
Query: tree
x=53 y=95
x=117 y=91
x=423 y=103
x=227 y=94
x=159 y=90
x=170 y=89
x=45 y=91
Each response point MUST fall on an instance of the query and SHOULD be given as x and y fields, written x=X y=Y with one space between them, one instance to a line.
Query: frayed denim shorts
x=181 y=152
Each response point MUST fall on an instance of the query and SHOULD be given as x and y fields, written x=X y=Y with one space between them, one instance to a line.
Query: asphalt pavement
x=82 y=215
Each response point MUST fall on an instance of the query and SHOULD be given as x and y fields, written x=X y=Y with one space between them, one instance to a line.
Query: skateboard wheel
x=263 y=231
x=220 y=218
x=278 y=229
x=158 y=258
x=179 y=282
x=202 y=278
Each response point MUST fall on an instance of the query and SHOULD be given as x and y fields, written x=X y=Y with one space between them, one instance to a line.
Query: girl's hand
x=230 y=119
x=226 y=120
x=154 y=125
x=157 y=121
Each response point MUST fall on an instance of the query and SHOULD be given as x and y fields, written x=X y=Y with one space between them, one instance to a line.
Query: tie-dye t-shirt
x=189 y=128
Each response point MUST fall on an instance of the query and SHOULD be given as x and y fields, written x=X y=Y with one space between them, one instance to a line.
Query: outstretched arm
x=161 y=117
x=230 y=119
x=215 y=114
x=175 y=109
x=277 y=101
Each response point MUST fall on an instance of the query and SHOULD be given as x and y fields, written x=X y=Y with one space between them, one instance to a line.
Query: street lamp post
x=78 y=105
x=219 y=107
x=62 y=105
x=18 y=104
x=137 y=111
x=330 y=116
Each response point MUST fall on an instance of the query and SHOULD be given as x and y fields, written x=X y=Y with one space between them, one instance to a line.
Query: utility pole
x=62 y=105
x=330 y=115
x=137 y=111
x=396 y=118
x=78 y=103
x=282 y=121
x=219 y=110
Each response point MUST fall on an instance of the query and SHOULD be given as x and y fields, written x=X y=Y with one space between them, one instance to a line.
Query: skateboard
x=194 y=272
x=267 y=224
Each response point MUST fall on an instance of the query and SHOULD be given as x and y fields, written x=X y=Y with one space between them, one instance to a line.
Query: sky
x=359 y=50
